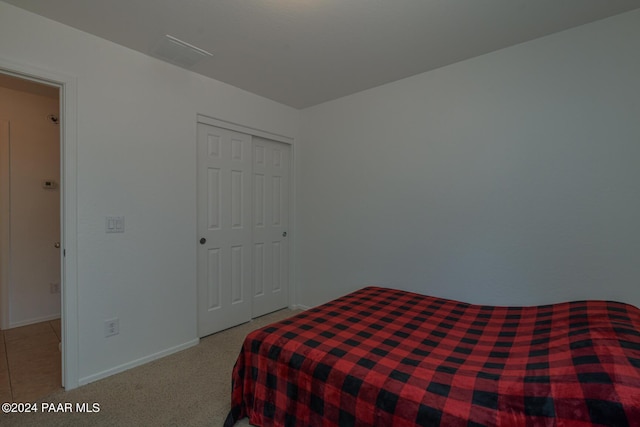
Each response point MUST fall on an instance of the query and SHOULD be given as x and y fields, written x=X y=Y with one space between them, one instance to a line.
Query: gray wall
x=136 y=157
x=511 y=178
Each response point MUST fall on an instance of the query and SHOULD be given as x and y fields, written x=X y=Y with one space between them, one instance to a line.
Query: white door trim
x=5 y=224
x=293 y=239
x=244 y=129
x=68 y=208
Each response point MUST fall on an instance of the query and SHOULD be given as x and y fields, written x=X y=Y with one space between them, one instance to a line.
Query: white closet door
x=224 y=229
x=271 y=162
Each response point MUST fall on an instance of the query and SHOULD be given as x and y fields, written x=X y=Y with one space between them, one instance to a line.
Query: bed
x=385 y=357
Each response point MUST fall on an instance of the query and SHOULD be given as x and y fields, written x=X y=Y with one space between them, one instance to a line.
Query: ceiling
x=305 y=52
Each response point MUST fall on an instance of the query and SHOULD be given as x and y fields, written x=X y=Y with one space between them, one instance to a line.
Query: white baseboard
x=137 y=362
x=32 y=321
x=300 y=307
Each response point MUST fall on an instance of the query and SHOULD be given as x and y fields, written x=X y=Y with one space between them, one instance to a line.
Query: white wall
x=136 y=157
x=511 y=178
x=35 y=211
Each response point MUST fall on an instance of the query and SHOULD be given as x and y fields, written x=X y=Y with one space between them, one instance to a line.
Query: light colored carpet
x=189 y=388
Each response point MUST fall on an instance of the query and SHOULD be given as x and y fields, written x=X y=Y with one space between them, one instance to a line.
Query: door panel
x=224 y=229
x=270 y=226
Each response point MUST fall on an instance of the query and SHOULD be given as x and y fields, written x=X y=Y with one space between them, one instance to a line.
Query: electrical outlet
x=54 y=288
x=111 y=327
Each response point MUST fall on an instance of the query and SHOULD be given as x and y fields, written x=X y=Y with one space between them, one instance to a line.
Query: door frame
x=5 y=223
x=212 y=121
x=68 y=209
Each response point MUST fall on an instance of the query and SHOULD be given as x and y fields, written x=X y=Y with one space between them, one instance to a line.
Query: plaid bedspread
x=382 y=357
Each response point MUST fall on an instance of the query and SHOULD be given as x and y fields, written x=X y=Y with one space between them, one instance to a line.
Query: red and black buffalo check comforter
x=383 y=357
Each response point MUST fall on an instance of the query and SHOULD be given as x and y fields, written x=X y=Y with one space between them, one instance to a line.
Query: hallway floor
x=30 y=362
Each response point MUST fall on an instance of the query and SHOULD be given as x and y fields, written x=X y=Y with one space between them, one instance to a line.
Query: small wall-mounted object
x=115 y=224
x=49 y=184
x=53 y=118
x=111 y=327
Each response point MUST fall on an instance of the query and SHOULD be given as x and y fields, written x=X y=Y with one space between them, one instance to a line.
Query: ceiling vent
x=178 y=52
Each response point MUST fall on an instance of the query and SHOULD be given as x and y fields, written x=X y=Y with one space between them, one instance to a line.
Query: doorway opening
x=30 y=236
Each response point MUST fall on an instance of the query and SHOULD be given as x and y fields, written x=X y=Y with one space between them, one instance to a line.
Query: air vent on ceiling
x=179 y=52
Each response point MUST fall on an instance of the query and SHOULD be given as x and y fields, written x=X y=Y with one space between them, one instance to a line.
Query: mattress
x=385 y=357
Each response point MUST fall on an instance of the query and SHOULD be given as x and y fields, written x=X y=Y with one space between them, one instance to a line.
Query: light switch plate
x=114 y=224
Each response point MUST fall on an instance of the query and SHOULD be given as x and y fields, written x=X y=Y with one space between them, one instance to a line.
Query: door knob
x=203 y=241
x=284 y=234
x=56 y=245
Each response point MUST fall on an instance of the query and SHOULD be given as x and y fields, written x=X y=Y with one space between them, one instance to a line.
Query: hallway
x=30 y=362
